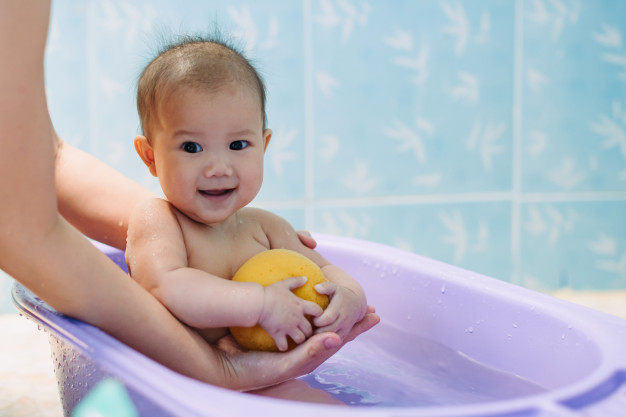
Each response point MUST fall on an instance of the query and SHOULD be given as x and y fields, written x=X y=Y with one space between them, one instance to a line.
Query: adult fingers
x=306 y=239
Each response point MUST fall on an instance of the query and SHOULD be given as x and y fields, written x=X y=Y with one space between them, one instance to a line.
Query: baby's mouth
x=217 y=193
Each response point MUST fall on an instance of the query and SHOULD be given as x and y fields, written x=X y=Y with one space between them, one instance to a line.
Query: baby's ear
x=267 y=135
x=146 y=153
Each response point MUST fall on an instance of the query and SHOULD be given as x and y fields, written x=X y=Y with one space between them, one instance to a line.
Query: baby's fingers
x=293 y=282
x=312 y=309
x=297 y=336
x=281 y=342
x=329 y=317
x=327 y=288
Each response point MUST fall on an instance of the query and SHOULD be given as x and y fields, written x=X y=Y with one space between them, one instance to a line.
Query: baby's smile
x=221 y=192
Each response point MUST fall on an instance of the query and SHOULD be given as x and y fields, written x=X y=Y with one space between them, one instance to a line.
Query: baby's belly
x=213 y=335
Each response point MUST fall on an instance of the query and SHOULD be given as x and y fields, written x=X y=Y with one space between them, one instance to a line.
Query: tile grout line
x=467 y=198
x=92 y=103
x=518 y=57
x=309 y=148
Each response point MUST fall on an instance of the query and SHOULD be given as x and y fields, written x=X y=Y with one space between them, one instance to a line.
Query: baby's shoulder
x=153 y=203
x=260 y=216
x=278 y=231
x=152 y=211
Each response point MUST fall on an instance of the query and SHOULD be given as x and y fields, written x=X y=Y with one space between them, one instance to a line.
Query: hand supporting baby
x=285 y=314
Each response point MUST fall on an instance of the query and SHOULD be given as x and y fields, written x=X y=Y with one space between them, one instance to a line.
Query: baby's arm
x=157 y=258
x=348 y=303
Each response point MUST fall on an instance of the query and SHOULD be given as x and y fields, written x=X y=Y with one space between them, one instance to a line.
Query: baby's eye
x=239 y=145
x=191 y=147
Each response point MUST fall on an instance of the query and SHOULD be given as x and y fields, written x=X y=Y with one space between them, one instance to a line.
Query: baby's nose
x=218 y=167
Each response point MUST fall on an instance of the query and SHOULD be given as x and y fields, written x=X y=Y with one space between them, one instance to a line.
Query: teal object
x=107 y=399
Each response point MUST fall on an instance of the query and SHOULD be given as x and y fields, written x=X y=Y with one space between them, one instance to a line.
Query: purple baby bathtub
x=451 y=343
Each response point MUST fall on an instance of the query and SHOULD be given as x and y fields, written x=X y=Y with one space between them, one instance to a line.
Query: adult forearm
x=112 y=301
x=94 y=197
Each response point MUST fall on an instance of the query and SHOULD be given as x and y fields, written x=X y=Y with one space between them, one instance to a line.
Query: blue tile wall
x=489 y=134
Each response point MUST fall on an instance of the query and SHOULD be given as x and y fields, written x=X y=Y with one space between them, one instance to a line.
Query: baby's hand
x=345 y=309
x=285 y=314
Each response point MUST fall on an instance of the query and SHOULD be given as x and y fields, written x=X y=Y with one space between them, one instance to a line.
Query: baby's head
x=202 y=110
x=193 y=62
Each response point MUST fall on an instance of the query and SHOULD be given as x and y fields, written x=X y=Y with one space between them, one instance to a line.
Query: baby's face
x=208 y=151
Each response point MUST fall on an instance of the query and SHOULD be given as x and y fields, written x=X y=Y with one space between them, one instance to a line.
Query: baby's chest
x=223 y=259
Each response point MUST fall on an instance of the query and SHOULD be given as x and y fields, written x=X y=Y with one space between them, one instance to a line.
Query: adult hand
x=248 y=370
x=306 y=239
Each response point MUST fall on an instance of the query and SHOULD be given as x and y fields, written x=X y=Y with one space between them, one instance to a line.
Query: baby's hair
x=204 y=62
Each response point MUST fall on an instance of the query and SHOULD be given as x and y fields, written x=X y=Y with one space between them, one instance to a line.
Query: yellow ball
x=269 y=267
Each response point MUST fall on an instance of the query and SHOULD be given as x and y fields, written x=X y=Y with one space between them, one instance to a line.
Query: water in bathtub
x=390 y=367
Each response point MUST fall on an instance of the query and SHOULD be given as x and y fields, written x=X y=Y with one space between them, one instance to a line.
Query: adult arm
x=38 y=247
x=94 y=197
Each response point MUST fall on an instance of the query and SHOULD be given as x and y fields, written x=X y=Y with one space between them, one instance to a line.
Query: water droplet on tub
x=443 y=289
x=509 y=336
x=563 y=336
x=408 y=317
x=515 y=326
x=469 y=330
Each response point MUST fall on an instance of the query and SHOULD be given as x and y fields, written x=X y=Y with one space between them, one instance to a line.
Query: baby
x=202 y=110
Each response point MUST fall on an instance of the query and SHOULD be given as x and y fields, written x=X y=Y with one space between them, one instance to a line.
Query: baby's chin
x=213 y=218
x=208 y=216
